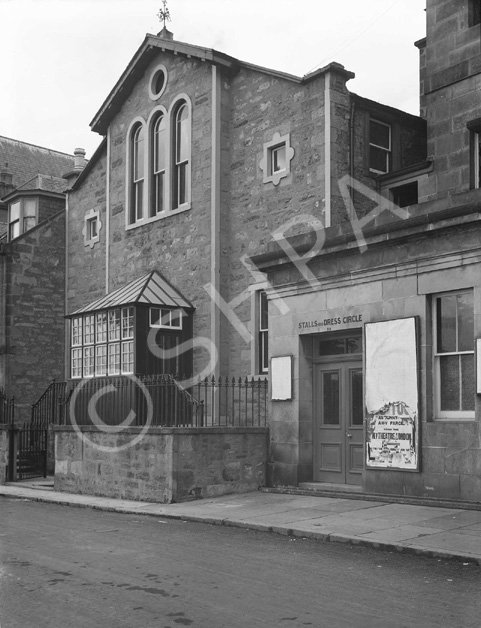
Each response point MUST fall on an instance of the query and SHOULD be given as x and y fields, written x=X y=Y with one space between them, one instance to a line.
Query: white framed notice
x=281 y=378
x=392 y=421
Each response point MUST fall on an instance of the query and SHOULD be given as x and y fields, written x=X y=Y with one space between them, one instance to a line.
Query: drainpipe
x=351 y=156
x=215 y=234
x=107 y=218
x=327 y=149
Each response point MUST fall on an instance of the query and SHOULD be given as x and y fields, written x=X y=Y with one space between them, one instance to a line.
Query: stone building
x=285 y=225
x=32 y=260
x=390 y=304
x=205 y=157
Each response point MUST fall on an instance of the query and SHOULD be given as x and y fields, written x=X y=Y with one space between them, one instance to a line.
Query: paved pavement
x=430 y=530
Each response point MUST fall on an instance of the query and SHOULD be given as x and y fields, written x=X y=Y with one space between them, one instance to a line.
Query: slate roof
x=150 y=289
x=45 y=182
x=25 y=161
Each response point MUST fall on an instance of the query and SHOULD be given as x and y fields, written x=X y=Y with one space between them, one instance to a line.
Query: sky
x=61 y=58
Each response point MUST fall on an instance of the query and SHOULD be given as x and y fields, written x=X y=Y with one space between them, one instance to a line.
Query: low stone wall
x=160 y=464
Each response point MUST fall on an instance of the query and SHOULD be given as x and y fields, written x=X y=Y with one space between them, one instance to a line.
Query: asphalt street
x=66 y=566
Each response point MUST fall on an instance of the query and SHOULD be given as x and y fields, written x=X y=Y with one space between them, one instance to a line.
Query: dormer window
x=22 y=217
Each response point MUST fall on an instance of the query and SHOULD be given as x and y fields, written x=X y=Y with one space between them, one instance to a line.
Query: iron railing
x=7 y=409
x=233 y=402
x=48 y=409
x=162 y=400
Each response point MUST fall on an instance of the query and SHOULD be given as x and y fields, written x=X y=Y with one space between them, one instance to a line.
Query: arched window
x=137 y=183
x=181 y=150
x=158 y=158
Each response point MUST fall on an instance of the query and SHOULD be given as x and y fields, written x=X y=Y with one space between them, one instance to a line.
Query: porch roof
x=150 y=289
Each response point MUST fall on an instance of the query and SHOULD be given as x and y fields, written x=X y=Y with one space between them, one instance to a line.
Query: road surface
x=67 y=567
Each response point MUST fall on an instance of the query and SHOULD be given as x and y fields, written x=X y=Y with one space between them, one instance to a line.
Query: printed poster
x=392 y=434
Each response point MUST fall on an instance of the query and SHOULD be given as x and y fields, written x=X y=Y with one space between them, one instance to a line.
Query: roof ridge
x=52 y=150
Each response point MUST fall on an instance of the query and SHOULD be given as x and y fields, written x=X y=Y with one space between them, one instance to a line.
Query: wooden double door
x=338 y=421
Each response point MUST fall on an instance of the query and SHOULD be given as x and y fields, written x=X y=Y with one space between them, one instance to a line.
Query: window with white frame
x=159 y=149
x=263 y=331
x=181 y=146
x=102 y=343
x=22 y=217
x=159 y=164
x=137 y=175
x=454 y=366
x=165 y=318
x=92 y=226
x=276 y=160
x=379 y=146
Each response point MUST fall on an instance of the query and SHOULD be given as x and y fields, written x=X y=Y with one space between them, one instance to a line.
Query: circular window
x=158 y=82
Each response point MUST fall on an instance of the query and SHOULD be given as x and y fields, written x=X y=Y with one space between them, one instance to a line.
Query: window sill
x=454 y=420
x=162 y=216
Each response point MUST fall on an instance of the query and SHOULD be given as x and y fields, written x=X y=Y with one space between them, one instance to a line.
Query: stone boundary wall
x=160 y=464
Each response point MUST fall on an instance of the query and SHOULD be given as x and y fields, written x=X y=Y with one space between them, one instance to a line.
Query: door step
x=329 y=486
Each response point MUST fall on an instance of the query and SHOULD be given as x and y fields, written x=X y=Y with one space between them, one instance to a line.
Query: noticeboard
x=392 y=395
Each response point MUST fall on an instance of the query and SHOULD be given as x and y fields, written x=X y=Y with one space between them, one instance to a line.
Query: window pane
x=263 y=311
x=380 y=134
x=14 y=211
x=127 y=322
x=465 y=322
x=330 y=398
x=334 y=346
x=356 y=397
x=29 y=223
x=29 y=207
x=446 y=324
x=114 y=359
x=354 y=344
x=139 y=154
x=14 y=230
x=76 y=362
x=378 y=159
x=76 y=331
x=101 y=360
x=176 y=318
x=114 y=325
x=101 y=328
x=449 y=367
x=89 y=329
x=159 y=145
x=128 y=357
x=468 y=387
x=279 y=159
x=88 y=361
x=181 y=182
x=182 y=143
x=154 y=316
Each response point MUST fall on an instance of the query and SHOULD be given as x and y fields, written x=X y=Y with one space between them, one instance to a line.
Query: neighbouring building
x=280 y=225
x=32 y=267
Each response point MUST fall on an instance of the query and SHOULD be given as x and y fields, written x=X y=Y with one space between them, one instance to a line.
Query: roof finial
x=164 y=14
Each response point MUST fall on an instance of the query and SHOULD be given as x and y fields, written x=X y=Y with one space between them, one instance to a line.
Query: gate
x=29 y=442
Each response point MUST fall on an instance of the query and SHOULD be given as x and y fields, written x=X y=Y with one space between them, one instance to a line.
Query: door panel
x=339 y=424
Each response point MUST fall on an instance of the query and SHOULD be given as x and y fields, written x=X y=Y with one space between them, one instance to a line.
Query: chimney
x=79 y=157
x=6 y=183
x=166 y=34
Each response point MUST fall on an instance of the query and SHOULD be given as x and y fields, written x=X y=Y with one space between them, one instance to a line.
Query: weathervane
x=164 y=14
